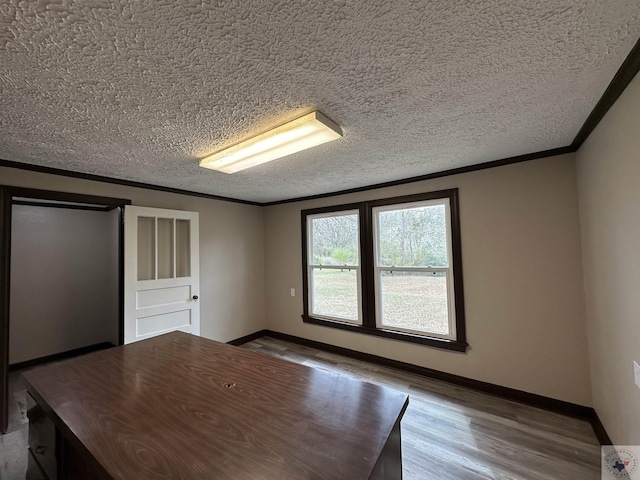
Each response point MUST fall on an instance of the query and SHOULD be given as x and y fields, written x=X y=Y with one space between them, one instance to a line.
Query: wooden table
x=183 y=407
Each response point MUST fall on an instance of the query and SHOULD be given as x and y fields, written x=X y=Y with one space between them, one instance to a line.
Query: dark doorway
x=13 y=196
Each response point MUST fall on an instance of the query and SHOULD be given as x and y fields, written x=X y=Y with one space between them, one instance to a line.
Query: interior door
x=162 y=277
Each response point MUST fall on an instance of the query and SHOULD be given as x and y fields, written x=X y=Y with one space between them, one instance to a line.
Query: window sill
x=404 y=337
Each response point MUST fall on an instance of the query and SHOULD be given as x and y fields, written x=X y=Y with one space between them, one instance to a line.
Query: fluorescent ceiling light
x=299 y=134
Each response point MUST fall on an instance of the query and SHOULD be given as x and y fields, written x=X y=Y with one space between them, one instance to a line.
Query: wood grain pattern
x=453 y=433
x=532 y=399
x=448 y=432
x=241 y=415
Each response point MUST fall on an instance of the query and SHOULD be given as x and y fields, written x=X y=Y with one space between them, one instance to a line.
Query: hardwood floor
x=451 y=433
x=448 y=432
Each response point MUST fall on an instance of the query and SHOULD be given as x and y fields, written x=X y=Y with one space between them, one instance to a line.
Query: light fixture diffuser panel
x=294 y=136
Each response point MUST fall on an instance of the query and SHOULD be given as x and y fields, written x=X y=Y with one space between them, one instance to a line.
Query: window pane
x=413 y=237
x=165 y=248
x=335 y=240
x=335 y=293
x=415 y=301
x=146 y=248
x=183 y=248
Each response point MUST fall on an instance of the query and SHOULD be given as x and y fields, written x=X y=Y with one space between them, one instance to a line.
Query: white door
x=162 y=277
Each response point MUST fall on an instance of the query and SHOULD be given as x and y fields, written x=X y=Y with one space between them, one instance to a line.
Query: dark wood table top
x=179 y=406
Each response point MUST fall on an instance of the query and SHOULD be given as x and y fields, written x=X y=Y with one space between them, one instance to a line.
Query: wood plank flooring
x=451 y=433
x=448 y=432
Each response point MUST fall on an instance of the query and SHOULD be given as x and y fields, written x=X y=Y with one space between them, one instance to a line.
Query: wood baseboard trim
x=598 y=429
x=532 y=399
x=249 y=338
x=546 y=403
x=60 y=356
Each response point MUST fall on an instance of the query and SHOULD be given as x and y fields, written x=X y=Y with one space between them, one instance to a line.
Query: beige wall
x=609 y=199
x=522 y=280
x=521 y=258
x=231 y=248
x=64 y=280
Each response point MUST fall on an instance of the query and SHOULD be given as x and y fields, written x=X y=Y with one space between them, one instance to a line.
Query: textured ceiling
x=139 y=90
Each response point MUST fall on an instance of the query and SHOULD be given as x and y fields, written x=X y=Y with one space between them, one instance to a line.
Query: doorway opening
x=62 y=272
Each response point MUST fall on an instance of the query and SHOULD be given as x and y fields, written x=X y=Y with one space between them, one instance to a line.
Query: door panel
x=161 y=272
x=163 y=296
x=164 y=322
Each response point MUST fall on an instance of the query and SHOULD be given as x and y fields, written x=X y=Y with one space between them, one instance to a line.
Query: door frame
x=10 y=196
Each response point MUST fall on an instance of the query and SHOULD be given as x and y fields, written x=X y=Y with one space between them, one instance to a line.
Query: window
x=334 y=266
x=387 y=267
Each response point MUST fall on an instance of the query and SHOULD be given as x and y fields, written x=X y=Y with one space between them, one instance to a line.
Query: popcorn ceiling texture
x=139 y=90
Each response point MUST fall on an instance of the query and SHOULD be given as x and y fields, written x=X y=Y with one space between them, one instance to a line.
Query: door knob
x=195 y=297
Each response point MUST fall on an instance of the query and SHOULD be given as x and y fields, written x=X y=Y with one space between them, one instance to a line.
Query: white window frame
x=378 y=268
x=311 y=266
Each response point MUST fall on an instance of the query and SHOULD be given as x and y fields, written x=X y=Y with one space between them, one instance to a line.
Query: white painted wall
x=231 y=248
x=64 y=280
x=522 y=279
x=609 y=200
